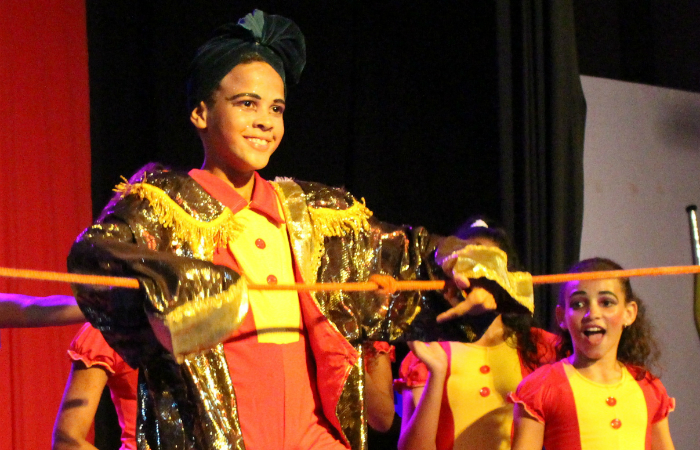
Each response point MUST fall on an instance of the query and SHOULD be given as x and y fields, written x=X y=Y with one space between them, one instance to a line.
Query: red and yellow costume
x=579 y=414
x=90 y=347
x=192 y=244
x=474 y=412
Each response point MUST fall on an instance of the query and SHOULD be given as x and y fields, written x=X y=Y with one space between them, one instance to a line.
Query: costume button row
x=484 y=391
x=484 y=369
x=615 y=423
x=611 y=401
x=260 y=243
x=271 y=279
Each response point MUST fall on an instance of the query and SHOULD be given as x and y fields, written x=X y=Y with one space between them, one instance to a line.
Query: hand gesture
x=470 y=301
x=431 y=354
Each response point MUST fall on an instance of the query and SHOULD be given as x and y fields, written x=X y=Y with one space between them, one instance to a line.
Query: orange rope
x=69 y=277
x=366 y=286
x=606 y=274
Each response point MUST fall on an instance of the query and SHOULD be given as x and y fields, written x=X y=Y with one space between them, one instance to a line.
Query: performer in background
x=455 y=393
x=95 y=365
x=221 y=366
x=601 y=395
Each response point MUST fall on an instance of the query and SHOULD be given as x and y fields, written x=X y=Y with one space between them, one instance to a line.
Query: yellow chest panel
x=480 y=379
x=610 y=416
x=263 y=254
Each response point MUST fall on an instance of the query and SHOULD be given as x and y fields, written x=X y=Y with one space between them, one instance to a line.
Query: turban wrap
x=276 y=39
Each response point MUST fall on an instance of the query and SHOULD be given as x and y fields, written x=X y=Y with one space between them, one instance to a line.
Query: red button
x=484 y=369
x=484 y=392
x=271 y=279
x=260 y=243
x=616 y=423
x=611 y=401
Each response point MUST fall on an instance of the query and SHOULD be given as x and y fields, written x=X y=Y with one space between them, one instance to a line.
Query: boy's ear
x=198 y=117
x=632 y=309
x=559 y=312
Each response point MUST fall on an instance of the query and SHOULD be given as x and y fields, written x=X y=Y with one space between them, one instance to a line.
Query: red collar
x=263 y=200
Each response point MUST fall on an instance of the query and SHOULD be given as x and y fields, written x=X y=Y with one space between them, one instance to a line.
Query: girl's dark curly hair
x=637 y=345
x=517 y=319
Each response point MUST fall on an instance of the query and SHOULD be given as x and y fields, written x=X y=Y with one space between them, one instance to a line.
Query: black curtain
x=432 y=112
x=542 y=120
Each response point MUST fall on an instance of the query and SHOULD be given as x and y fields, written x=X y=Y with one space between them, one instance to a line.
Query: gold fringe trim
x=169 y=214
x=201 y=324
x=329 y=222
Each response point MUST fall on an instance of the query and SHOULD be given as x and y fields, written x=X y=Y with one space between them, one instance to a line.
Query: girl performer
x=454 y=393
x=602 y=395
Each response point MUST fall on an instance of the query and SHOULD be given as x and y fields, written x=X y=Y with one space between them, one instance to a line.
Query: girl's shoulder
x=545 y=373
x=658 y=400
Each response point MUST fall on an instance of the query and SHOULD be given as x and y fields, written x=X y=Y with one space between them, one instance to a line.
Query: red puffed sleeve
x=659 y=403
x=531 y=393
x=90 y=347
x=413 y=373
x=667 y=404
x=374 y=348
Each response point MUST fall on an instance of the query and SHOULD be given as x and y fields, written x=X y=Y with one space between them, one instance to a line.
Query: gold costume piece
x=478 y=261
x=162 y=228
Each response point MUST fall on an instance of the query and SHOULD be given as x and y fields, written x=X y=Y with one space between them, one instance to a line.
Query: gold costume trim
x=169 y=214
x=339 y=222
x=306 y=248
x=478 y=261
x=226 y=310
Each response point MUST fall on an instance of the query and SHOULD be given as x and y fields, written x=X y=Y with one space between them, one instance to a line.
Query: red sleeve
x=659 y=403
x=90 y=347
x=413 y=373
x=530 y=393
x=374 y=348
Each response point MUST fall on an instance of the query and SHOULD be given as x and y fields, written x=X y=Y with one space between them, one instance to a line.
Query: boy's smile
x=244 y=124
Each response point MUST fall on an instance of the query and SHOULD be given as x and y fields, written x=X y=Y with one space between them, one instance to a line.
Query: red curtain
x=44 y=196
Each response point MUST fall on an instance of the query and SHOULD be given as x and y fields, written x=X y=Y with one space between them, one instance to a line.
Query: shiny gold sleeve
x=194 y=304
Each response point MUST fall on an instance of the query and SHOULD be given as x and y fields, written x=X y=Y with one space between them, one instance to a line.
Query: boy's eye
x=247 y=104
x=277 y=109
x=607 y=302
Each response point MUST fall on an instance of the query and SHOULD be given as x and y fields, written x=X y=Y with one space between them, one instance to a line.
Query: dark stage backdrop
x=432 y=111
x=44 y=196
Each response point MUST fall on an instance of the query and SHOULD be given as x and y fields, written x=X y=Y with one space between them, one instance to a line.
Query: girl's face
x=595 y=313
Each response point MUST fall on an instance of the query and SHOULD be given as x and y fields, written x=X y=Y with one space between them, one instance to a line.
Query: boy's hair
x=637 y=345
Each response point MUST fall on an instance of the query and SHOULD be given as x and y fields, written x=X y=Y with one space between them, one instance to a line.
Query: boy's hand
x=470 y=301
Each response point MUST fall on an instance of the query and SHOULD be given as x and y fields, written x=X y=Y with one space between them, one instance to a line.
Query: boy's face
x=243 y=125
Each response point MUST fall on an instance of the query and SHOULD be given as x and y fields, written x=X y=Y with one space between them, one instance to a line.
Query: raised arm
x=25 y=311
x=421 y=406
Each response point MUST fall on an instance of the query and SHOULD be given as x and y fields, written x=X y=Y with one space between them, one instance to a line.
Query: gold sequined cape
x=162 y=228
